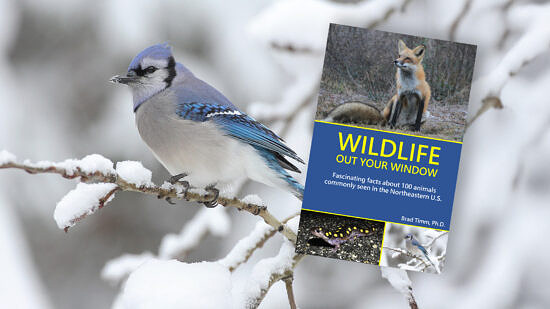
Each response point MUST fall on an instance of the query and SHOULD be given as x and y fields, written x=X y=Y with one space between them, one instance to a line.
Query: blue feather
x=237 y=125
x=273 y=163
x=419 y=246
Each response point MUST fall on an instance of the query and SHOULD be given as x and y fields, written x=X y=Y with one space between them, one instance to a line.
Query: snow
x=293 y=96
x=20 y=283
x=166 y=186
x=133 y=172
x=497 y=147
x=173 y=284
x=253 y=199
x=398 y=279
x=532 y=43
x=80 y=202
x=208 y=220
x=7 y=157
x=95 y=163
x=293 y=224
x=90 y=164
x=239 y=253
x=264 y=270
x=118 y=269
x=279 y=23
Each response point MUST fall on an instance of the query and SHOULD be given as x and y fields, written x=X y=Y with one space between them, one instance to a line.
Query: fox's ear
x=419 y=52
x=401 y=45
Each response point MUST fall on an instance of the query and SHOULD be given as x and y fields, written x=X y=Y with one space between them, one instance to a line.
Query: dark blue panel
x=432 y=209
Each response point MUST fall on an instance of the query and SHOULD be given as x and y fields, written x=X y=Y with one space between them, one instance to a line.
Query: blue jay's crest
x=161 y=51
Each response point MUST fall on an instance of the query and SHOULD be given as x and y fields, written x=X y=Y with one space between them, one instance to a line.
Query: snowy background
x=266 y=56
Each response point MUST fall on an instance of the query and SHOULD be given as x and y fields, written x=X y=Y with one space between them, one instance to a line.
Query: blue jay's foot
x=215 y=193
x=173 y=180
x=176 y=178
x=167 y=199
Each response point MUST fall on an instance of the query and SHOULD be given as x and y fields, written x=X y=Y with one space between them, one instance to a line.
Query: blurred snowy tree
x=58 y=55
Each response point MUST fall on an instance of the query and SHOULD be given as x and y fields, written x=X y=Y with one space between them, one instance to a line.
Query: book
x=384 y=158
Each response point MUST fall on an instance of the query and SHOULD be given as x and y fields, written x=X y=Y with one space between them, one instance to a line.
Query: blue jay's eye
x=150 y=69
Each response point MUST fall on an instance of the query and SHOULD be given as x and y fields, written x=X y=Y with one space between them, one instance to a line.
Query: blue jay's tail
x=278 y=164
x=297 y=188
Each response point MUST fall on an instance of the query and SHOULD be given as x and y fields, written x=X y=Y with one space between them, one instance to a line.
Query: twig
x=459 y=18
x=407 y=253
x=506 y=33
x=439 y=259
x=486 y=104
x=259 y=243
x=254 y=303
x=170 y=191
x=435 y=238
x=292 y=49
x=289 y=291
x=388 y=14
x=400 y=281
x=290 y=117
x=532 y=44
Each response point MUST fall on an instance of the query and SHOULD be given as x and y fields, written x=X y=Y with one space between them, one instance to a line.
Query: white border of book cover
x=386 y=147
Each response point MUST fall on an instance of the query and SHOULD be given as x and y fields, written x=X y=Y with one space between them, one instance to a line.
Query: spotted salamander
x=341 y=235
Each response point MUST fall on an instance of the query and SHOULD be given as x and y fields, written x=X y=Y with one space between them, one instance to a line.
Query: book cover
x=386 y=146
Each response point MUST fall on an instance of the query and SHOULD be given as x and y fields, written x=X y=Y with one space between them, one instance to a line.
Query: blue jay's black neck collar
x=171 y=71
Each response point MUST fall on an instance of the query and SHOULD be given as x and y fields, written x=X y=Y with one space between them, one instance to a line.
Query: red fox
x=410 y=104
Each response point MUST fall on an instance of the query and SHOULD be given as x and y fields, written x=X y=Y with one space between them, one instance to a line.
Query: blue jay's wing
x=240 y=126
x=419 y=246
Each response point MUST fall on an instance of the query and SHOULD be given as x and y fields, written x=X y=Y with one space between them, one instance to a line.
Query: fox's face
x=409 y=59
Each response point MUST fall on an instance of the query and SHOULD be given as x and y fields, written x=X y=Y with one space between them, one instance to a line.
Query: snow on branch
x=534 y=42
x=400 y=281
x=276 y=26
x=82 y=201
x=417 y=262
x=295 y=98
x=133 y=177
x=270 y=270
x=244 y=249
x=399 y=251
x=6 y=157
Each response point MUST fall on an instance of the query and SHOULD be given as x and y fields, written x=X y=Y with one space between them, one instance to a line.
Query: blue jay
x=197 y=133
x=417 y=249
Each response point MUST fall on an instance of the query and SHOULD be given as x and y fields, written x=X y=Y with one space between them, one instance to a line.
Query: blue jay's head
x=409 y=237
x=150 y=72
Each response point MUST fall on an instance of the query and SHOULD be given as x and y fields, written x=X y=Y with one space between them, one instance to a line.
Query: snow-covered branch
x=271 y=270
x=244 y=249
x=533 y=43
x=400 y=281
x=101 y=181
x=399 y=251
x=276 y=26
x=430 y=244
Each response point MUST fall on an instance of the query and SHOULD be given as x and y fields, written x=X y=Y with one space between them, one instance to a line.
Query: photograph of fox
x=359 y=80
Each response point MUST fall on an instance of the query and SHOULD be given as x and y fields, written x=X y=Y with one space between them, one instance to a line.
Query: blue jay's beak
x=131 y=77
